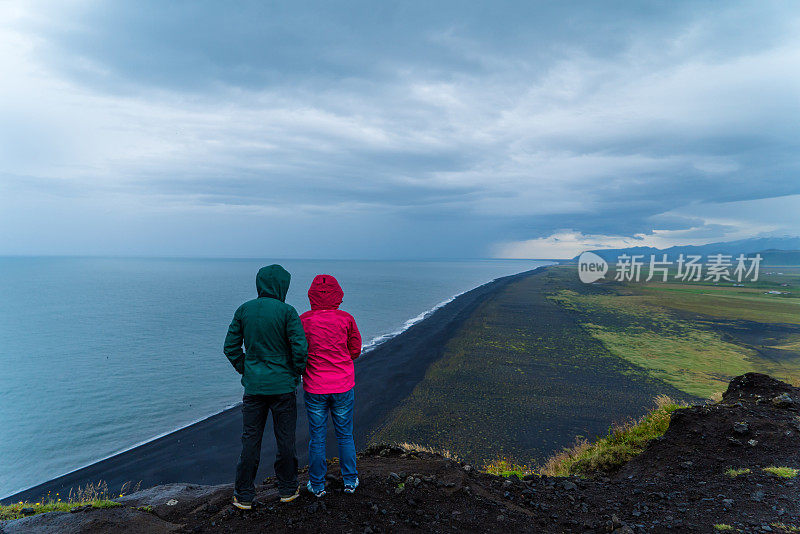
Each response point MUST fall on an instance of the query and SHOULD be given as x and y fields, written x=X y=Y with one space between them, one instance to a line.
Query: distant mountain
x=781 y=250
x=780 y=257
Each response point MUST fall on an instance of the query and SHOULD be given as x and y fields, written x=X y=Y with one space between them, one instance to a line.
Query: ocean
x=98 y=355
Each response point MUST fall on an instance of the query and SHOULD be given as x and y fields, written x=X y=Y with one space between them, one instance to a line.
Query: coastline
x=372 y=344
x=205 y=451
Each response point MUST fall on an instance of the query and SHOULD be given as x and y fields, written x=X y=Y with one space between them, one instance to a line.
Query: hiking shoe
x=242 y=505
x=317 y=494
x=290 y=498
x=351 y=488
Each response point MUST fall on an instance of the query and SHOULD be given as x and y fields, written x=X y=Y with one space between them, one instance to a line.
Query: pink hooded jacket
x=333 y=339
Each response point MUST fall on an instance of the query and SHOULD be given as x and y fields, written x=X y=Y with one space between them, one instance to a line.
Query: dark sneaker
x=242 y=505
x=317 y=494
x=351 y=488
x=290 y=498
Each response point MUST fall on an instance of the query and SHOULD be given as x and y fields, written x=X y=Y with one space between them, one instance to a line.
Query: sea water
x=100 y=354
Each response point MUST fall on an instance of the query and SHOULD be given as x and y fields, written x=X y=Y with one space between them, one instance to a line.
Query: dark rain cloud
x=466 y=123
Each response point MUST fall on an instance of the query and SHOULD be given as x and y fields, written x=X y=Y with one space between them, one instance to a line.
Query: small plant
x=128 y=487
x=783 y=527
x=783 y=472
x=504 y=468
x=96 y=491
x=733 y=473
x=723 y=526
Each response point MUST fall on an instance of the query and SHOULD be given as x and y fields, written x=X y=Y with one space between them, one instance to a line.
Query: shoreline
x=205 y=451
x=373 y=343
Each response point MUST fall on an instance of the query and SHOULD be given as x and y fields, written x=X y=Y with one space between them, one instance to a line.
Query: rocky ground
x=679 y=484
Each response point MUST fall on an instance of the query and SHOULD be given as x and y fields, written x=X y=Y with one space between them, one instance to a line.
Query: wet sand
x=207 y=451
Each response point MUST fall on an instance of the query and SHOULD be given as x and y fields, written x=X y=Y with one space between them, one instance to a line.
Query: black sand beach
x=206 y=452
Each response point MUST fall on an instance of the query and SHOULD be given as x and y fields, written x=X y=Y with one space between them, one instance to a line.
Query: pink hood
x=333 y=339
x=325 y=293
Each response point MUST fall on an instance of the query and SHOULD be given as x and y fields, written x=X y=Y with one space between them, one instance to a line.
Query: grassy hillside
x=549 y=358
x=521 y=379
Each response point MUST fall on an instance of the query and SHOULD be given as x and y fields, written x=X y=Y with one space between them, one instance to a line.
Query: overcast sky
x=395 y=130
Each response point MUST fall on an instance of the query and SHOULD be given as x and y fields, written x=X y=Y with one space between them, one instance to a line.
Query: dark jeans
x=255 y=409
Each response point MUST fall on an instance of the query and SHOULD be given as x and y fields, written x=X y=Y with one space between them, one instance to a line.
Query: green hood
x=273 y=281
x=275 y=348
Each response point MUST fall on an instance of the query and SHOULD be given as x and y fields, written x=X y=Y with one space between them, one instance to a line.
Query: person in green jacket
x=271 y=364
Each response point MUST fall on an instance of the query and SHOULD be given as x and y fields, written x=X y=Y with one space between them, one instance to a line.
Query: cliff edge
x=728 y=466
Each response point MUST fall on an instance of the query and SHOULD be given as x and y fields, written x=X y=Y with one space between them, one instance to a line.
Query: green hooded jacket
x=275 y=348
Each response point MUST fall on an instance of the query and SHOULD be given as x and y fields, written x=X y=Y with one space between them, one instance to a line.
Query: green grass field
x=695 y=336
x=726 y=302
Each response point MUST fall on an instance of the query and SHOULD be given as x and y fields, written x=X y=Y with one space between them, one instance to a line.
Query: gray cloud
x=441 y=129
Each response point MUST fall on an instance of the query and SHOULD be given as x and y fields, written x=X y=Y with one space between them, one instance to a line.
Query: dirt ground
x=679 y=484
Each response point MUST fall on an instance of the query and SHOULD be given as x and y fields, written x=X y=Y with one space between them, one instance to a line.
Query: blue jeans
x=340 y=406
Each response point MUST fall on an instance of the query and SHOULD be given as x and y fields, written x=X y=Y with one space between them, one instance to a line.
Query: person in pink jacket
x=333 y=343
